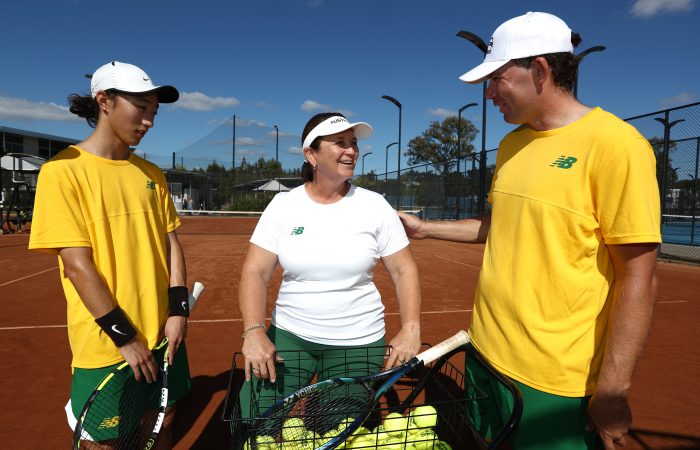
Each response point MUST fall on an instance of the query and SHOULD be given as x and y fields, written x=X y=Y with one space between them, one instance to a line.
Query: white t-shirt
x=328 y=253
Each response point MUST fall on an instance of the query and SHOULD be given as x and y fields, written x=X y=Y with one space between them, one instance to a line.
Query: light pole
x=481 y=45
x=277 y=143
x=363 y=164
x=580 y=56
x=398 y=172
x=667 y=138
x=386 y=159
x=459 y=148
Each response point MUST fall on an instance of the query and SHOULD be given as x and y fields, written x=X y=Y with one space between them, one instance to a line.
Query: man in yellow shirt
x=109 y=217
x=567 y=287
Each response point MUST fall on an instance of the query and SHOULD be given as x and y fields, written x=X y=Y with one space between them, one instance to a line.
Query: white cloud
x=649 y=8
x=26 y=110
x=294 y=150
x=196 y=101
x=249 y=142
x=678 y=100
x=442 y=112
x=310 y=105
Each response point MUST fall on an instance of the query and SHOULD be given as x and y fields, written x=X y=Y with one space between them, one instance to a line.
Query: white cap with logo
x=532 y=34
x=337 y=124
x=129 y=79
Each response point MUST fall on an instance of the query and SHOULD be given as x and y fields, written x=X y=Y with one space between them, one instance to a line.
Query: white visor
x=337 y=124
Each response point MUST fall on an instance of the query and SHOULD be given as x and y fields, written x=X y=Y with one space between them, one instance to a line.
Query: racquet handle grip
x=444 y=347
x=197 y=289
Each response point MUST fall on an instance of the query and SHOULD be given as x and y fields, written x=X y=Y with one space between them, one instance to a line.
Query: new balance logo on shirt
x=297 y=231
x=564 y=162
x=150 y=184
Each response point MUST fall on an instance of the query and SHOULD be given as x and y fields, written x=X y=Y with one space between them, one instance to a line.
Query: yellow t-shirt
x=123 y=211
x=559 y=197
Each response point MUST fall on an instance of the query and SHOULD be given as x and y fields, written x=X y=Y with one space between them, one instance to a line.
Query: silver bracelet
x=252 y=328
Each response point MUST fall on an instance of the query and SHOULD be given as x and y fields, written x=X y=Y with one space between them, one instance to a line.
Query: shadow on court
x=216 y=432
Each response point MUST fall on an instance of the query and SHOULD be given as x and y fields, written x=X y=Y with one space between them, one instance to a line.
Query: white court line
x=458 y=262
x=38 y=327
x=28 y=276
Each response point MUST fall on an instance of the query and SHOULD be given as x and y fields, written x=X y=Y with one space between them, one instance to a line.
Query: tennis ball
x=292 y=429
x=309 y=440
x=395 y=423
x=379 y=433
x=396 y=443
x=362 y=442
x=361 y=432
x=424 y=416
x=424 y=440
x=412 y=427
x=266 y=442
x=332 y=434
x=442 y=445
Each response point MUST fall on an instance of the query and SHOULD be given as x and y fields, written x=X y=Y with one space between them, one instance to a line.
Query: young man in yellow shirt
x=109 y=217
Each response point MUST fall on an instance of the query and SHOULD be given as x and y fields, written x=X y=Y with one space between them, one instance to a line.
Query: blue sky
x=279 y=62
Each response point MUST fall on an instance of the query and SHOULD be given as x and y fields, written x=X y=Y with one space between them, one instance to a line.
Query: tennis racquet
x=122 y=413
x=345 y=401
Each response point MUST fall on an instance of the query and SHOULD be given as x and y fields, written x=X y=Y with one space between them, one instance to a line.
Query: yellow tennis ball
x=309 y=440
x=362 y=442
x=442 y=445
x=266 y=442
x=424 y=416
x=425 y=439
x=380 y=433
x=332 y=434
x=292 y=429
x=395 y=423
x=361 y=432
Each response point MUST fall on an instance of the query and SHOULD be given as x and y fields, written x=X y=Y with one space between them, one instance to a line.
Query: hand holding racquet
x=348 y=400
x=122 y=413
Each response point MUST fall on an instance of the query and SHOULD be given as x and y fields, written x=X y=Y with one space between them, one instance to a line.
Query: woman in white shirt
x=327 y=236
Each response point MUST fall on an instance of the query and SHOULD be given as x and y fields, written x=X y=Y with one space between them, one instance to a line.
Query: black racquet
x=122 y=413
x=345 y=401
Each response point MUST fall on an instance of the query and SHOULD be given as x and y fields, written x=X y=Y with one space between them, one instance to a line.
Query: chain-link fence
x=458 y=188
x=675 y=137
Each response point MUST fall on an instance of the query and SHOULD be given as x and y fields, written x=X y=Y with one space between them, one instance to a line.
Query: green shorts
x=549 y=422
x=306 y=362
x=85 y=381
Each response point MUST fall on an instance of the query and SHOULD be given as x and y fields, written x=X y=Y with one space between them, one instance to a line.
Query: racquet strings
x=322 y=409
x=136 y=405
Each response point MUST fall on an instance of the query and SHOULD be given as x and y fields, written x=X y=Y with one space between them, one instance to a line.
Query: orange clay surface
x=35 y=370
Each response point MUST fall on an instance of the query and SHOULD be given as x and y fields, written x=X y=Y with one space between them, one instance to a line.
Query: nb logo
x=150 y=184
x=109 y=422
x=297 y=231
x=564 y=162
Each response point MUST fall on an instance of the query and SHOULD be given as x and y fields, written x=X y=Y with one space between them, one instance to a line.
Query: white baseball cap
x=129 y=79
x=337 y=124
x=532 y=34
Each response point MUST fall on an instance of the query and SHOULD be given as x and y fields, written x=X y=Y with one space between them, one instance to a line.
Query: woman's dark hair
x=86 y=107
x=307 y=172
x=564 y=65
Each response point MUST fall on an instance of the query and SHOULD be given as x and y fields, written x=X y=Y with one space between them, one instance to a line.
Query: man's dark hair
x=564 y=65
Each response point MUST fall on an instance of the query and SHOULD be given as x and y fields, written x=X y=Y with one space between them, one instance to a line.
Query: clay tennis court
x=35 y=368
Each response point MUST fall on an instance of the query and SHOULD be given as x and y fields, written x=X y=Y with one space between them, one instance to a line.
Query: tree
x=438 y=144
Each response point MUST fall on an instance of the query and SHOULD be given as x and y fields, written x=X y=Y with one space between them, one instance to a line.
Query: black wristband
x=179 y=300
x=117 y=327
